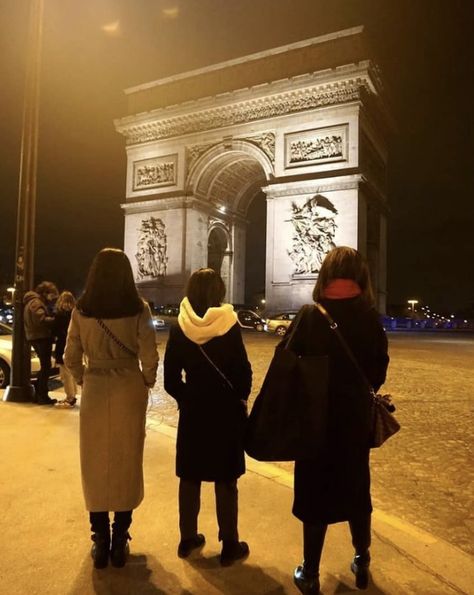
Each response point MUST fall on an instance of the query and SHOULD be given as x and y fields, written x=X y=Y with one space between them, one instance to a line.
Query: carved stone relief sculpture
x=311 y=147
x=314 y=227
x=151 y=249
x=154 y=172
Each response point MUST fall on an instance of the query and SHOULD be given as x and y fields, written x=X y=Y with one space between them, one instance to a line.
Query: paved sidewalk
x=46 y=543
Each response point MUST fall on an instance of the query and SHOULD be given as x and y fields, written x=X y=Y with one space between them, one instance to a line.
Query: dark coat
x=336 y=486
x=38 y=321
x=211 y=416
x=60 y=327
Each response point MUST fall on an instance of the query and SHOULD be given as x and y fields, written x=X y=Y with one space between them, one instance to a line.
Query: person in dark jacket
x=207 y=346
x=335 y=487
x=38 y=321
x=64 y=307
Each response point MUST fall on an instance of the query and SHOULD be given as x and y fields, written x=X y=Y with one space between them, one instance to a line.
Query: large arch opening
x=231 y=180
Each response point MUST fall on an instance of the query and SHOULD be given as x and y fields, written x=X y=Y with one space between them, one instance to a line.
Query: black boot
x=186 y=546
x=120 y=549
x=233 y=551
x=360 y=567
x=307 y=583
x=100 y=549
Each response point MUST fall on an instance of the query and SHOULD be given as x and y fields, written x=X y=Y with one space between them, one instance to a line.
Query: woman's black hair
x=110 y=290
x=344 y=263
x=205 y=289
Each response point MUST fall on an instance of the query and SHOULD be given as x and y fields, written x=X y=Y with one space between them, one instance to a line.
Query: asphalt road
x=425 y=474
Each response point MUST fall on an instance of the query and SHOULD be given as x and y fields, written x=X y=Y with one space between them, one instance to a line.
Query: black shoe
x=120 y=549
x=186 y=546
x=360 y=567
x=233 y=551
x=309 y=585
x=100 y=549
x=46 y=401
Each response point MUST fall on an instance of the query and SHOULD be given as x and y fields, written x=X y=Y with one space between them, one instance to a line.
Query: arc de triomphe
x=305 y=123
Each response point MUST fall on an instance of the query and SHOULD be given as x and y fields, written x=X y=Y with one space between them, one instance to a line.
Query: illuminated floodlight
x=412 y=304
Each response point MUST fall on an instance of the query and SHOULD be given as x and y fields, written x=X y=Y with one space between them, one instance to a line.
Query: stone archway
x=305 y=124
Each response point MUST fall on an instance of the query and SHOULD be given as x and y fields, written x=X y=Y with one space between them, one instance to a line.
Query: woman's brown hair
x=110 y=290
x=66 y=302
x=344 y=263
x=205 y=289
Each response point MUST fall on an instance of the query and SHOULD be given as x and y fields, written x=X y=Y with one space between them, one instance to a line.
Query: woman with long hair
x=207 y=346
x=63 y=311
x=335 y=486
x=111 y=351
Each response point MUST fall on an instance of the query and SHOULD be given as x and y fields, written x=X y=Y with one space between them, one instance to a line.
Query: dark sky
x=424 y=48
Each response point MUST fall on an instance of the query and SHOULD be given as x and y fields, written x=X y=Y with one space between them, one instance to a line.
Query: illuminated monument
x=304 y=124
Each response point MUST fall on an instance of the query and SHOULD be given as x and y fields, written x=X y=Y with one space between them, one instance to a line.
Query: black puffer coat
x=336 y=486
x=211 y=416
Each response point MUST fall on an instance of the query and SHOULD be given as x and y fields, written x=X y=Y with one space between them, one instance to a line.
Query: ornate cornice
x=276 y=105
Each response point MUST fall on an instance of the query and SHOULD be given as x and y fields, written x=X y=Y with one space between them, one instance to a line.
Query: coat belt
x=110 y=364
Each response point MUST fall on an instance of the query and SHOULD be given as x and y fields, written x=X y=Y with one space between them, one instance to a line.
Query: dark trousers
x=226 y=508
x=43 y=348
x=100 y=522
x=313 y=540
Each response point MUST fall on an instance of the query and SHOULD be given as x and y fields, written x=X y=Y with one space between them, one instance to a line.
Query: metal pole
x=20 y=388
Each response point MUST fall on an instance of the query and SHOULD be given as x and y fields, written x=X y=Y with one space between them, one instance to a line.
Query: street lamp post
x=20 y=388
x=412 y=304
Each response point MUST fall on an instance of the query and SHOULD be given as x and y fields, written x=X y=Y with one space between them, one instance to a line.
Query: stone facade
x=314 y=143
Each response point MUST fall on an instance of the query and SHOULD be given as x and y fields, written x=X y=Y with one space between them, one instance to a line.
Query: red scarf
x=340 y=289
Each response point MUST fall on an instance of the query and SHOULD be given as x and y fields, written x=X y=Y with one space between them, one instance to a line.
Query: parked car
x=249 y=319
x=6 y=337
x=279 y=323
x=158 y=323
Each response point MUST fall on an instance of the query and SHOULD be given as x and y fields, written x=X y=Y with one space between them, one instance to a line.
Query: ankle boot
x=100 y=549
x=360 y=567
x=120 y=549
x=307 y=583
x=233 y=551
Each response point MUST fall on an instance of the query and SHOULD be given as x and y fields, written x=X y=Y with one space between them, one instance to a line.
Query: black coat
x=336 y=486
x=60 y=328
x=211 y=416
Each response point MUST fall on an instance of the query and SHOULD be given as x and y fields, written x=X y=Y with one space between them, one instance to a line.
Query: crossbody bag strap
x=115 y=339
x=218 y=370
x=345 y=345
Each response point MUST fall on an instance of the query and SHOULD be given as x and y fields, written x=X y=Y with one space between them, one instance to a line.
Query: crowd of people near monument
x=106 y=344
x=46 y=318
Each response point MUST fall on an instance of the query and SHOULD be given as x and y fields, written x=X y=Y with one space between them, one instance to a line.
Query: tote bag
x=288 y=418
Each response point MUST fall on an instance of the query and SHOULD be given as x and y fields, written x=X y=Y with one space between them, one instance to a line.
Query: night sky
x=424 y=48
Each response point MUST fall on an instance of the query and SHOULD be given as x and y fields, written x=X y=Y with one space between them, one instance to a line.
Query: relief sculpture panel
x=151 y=252
x=155 y=172
x=314 y=227
x=311 y=147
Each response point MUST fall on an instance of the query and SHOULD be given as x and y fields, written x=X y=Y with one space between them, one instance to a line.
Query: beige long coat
x=113 y=405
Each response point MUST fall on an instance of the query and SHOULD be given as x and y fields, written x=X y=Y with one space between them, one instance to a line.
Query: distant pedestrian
x=63 y=311
x=335 y=486
x=113 y=328
x=207 y=346
x=39 y=320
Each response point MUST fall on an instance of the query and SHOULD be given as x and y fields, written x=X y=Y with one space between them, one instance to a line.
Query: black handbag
x=288 y=418
x=383 y=423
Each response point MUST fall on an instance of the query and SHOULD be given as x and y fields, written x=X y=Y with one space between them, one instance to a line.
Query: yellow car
x=279 y=323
